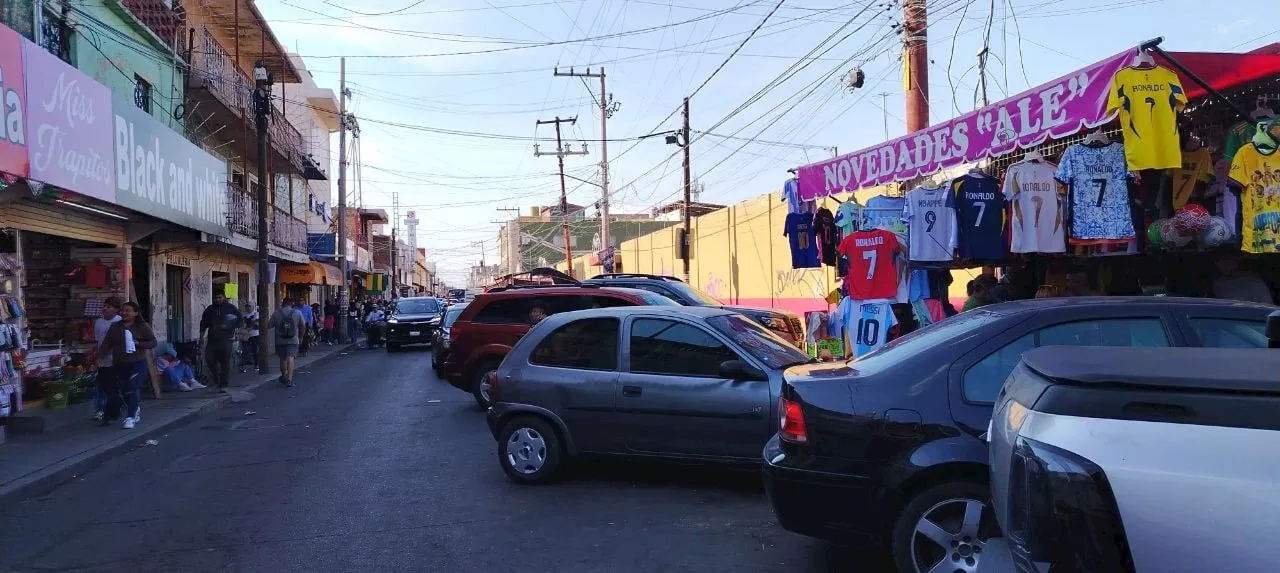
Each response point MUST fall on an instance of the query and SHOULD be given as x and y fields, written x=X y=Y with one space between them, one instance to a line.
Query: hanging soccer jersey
x=848 y=217
x=885 y=212
x=1148 y=101
x=1197 y=168
x=979 y=216
x=1259 y=178
x=1098 y=193
x=930 y=216
x=804 y=244
x=1037 y=222
x=872 y=328
x=872 y=271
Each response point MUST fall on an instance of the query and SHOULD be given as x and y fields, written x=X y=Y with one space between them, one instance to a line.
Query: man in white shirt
x=105 y=379
x=249 y=345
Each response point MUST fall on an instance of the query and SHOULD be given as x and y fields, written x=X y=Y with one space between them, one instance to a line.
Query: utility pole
x=884 y=112
x=607 y=109
x=915 y=27
x=560 y=152
x=340 y=254
x=687 y=241
x=262 y=113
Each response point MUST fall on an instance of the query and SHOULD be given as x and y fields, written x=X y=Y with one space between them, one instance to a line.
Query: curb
x=46 y=480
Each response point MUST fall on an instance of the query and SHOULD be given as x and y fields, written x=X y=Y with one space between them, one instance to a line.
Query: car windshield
x=929 y=337
x=701 y=298
x=418 y=306
x=655 y=299
x=451 y=315
x=761 y=343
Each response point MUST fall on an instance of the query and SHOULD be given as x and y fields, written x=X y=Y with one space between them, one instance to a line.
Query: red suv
x=485 y=332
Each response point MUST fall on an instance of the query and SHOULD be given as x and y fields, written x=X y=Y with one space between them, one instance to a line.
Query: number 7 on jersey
x=870 y=256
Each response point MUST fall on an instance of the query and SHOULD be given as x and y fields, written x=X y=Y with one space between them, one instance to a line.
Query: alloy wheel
x=526 y=451
x=951 y=536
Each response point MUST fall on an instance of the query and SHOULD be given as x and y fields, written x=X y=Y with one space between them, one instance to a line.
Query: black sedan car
x=413 y=321
x=440 y=342
x=889 y=449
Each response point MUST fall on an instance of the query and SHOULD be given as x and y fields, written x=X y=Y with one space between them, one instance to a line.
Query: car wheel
x=480 y=388
x=530 y=450
x=944 y=528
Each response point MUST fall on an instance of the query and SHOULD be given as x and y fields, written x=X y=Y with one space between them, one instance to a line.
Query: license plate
x=414 y=333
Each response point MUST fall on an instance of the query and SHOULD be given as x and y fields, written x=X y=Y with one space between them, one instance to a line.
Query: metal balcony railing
x=286 y=231
x=215 y=70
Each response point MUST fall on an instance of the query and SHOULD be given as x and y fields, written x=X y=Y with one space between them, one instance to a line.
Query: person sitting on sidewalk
x=178 y=374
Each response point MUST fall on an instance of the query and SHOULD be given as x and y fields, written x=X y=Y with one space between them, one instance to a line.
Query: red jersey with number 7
x=872 y=272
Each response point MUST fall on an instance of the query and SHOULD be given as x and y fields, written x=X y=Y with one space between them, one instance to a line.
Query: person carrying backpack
x=220 y=319
x=288 y=324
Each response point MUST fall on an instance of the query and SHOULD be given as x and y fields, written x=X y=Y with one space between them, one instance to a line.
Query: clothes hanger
x=1262 y=111
x=1097 y=138
x=1033 y=155
x=1143 y=60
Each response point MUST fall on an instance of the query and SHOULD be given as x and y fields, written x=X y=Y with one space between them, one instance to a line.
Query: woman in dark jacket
x=128 y=342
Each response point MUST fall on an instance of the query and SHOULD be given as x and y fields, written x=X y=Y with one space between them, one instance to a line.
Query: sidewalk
x=74 y=443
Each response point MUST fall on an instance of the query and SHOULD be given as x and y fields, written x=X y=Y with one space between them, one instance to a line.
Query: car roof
x=535 y=292
x=1230 y=369
x=1019 y=306
x=404 y=298
x=624 y=311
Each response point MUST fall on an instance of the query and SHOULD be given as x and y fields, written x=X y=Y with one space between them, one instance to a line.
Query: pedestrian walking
x=331 y=312
x=249 y=343
x=288 y=325
x=220 y=320
x=317 y=325
x=128 y=341
x=106 y=366
x=308 y=320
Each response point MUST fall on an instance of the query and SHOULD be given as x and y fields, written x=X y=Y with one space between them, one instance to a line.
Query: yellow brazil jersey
x=1148 y=101
x=1259 y=178
x=1197 y=167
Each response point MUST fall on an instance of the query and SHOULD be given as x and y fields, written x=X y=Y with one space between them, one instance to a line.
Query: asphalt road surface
x=372 y=464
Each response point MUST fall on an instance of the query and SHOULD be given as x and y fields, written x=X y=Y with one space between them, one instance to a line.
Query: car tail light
x=792 y=428
x=1062 y=513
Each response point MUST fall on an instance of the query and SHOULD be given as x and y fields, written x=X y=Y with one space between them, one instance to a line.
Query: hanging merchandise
x=885 y=212
x=1223 y=198
x=1196 y=172
x=791 y=195
x=824 y=230
x=1148 y=99
x=980 y=217
x=848 y=217
x=1098 y=193
x=804 y=245
x=914 y=286
x=1258 y=175
x=873 y=272
x=1037 y=219
x=930 y=215
x=866 y=324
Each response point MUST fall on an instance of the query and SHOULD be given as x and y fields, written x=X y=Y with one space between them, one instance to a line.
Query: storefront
x=1140 y=174
x=314 y=282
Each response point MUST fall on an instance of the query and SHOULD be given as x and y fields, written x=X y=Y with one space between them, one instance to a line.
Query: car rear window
x=504 y=311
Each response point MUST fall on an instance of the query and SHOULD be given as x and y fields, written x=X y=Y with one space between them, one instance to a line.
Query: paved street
x=373 y=464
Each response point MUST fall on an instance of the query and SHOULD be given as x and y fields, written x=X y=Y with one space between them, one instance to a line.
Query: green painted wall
x=110 y=45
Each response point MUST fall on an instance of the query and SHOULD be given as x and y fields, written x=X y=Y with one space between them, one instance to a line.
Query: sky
x=447 y=93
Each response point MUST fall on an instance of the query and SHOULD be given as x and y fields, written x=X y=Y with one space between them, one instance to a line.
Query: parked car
x=485 y=332
x=785 y=324
x=683 y=383
x=1141 y=460
x=413 y=320
x=440 y=343
x=888 y=449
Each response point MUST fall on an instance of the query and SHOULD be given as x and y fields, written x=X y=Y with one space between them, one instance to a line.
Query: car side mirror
x=1273 y=329
x=739 y=370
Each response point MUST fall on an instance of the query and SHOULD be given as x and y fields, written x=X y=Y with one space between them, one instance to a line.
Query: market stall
x=1148 y=172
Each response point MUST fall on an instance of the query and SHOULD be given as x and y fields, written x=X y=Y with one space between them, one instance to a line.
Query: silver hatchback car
x=685 y=383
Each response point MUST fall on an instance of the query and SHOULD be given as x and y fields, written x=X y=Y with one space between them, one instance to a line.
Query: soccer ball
x=1216 y=234
x=1173 y=237
x=1191 y=220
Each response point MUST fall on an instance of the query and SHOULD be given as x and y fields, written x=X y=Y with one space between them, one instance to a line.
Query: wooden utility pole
x=560 y=152
x=915 y=29
x=262 y=118
x=687 y=241
x=607 y=107
x=340 y=247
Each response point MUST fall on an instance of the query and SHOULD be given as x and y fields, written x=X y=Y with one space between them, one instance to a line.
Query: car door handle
x=631 y=391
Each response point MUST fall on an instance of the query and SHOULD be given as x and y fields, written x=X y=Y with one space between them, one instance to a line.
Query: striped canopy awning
x=376 y=282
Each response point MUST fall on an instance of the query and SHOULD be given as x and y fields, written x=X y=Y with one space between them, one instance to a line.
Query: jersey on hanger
x=804 y=244
x=979 y=217
x=871 y=331
x=1197 y=167
x=885 y=212
x=930 y=215
x=824 y=230
x=1259 y=178
x=848 y=217
x=1098 y=192
x=873 y=273
x=1037 y=222
x=1148 y=101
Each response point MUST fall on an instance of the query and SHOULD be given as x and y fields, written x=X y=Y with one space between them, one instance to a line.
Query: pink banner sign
x=13 y=93
x=1056 y=109
x=69 y=126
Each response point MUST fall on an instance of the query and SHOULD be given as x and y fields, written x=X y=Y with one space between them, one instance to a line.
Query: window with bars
x=55 y=37
x=141 y=93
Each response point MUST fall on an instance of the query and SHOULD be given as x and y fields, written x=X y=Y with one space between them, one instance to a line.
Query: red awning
x=1224 y=71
